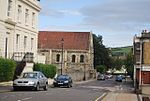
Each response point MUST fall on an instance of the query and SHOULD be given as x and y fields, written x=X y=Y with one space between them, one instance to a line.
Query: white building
x=18 y=28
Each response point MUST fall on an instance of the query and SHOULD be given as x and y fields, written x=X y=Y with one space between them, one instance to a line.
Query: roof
x=72 y=40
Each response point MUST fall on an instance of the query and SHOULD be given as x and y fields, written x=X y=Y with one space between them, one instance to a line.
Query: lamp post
x=62 y=46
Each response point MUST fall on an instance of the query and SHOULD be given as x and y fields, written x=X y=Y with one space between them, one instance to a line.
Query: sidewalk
x=120 y=97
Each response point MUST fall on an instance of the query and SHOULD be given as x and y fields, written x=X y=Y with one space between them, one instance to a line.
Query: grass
x=121 y=50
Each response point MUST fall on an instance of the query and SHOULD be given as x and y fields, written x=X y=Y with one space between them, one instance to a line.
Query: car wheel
x=54 y=85
x=15 y=89
x=45 y=87
x=69 y=85
x=37 y=87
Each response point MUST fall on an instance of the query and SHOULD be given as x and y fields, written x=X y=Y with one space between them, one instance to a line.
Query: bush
x=101 y=68
x=48 y=70
x=7 y=69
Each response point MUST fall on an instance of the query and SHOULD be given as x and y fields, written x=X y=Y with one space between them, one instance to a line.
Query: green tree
x=101 y=53
x=101 y=68
x=117 y=63
x=129 y=64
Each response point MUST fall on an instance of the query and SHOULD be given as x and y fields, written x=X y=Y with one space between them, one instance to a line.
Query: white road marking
x=25 y=99
x=101 y=97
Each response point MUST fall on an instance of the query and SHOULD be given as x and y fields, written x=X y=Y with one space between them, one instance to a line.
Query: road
x=89 y=91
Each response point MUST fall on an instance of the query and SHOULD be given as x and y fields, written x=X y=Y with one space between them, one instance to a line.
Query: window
x=9 y=10
x=19 y=13
x=25 y=41
x=58 y=58
x=73 y=58
x=17 y=38
x=26 y=16
x=81 y=58
x=32 y=39
x=33 y=19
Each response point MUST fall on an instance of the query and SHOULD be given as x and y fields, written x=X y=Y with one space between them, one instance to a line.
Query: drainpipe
x=141 y=62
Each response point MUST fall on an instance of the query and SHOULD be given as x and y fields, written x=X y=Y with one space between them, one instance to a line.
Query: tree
x=101 y=53
x=101 y=69
x=117 y=63
x=129 y=65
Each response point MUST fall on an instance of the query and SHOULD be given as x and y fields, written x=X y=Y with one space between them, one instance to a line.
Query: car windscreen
x=62 y=78
x=29 y=75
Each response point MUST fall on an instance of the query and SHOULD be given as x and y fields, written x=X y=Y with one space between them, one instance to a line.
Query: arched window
x=81 y=58
x=73 y=58
x=58 y=58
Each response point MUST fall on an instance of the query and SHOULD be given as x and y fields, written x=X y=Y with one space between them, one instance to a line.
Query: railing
x=22 y=56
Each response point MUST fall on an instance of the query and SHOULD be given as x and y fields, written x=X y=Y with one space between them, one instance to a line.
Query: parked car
x=119 y=78
x=31 y=80
x=101 y=77
x=63 y=80
x=109 y=76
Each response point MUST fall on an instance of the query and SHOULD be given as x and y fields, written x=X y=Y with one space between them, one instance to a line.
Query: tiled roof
x=72 y=40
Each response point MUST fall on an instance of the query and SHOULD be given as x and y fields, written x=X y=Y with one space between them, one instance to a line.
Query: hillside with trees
x=111 y=58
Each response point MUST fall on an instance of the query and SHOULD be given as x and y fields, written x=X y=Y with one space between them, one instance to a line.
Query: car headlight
x=66 y=81
x=31 y=83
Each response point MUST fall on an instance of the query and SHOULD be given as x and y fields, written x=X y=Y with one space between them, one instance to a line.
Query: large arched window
x=58 y=58
x=81 y=58
x=73 y=58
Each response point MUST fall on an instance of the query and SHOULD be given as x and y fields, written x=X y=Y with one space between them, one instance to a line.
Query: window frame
x=73 y=58
x=82 y=57
x=57 y=57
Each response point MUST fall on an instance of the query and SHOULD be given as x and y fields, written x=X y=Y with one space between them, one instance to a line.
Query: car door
x=40 y=80
x=43 y=79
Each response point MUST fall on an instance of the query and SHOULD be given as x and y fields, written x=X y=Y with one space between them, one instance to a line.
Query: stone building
x=19 y=29
x=141 y=50
x=71 y=52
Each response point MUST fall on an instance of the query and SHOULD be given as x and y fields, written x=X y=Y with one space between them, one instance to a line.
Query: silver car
x=31 y=80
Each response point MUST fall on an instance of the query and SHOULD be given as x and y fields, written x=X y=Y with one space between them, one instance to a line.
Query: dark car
x=119 y=78
x=63 y=80
x=101 y=77
x=31 y=80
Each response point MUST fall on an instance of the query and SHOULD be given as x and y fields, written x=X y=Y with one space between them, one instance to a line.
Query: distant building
x=19 y=29
x=141 y=50
x=71 y=52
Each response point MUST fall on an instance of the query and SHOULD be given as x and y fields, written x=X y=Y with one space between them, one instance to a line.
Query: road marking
x=101 y=97
x=25 y=99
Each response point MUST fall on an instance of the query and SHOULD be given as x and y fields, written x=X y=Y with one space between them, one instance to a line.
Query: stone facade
x=141 y=52
x=76 y=62
x=18 y=27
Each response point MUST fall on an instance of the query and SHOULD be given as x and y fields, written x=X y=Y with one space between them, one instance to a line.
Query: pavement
x=112 y=96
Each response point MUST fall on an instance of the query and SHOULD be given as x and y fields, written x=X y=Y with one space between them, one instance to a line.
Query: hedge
x=48 y=70
x=7 y=69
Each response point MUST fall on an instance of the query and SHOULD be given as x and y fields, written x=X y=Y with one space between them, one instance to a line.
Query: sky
x=117 y=21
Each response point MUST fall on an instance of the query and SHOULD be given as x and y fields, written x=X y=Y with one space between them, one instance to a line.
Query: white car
x=31 y=80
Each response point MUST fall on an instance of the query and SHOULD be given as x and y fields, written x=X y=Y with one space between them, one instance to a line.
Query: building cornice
x=26 y=29
x=10 y=21
x=32 y=4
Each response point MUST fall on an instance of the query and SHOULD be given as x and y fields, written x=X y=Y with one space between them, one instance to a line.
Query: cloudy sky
x=116 y=20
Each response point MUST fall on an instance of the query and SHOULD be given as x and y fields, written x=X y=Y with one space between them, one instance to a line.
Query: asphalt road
x=89 y=91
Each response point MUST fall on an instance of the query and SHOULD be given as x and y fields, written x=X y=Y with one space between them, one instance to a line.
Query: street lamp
x=62 y=46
